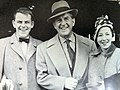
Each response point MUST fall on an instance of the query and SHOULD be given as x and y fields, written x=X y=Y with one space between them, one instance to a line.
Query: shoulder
x=3 y=43
x=43 y=44
x=117 y=49
x=4 y=40
x=49 y=43
x=37 y=41
x=95 y=53
x=117 y=52
x=84 y=40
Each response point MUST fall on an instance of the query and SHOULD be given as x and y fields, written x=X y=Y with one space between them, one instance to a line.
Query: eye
x=58 y=20
x=27 y=22
x=107 y=34
x=99 y=35
x=66 y=18
x=19 y=22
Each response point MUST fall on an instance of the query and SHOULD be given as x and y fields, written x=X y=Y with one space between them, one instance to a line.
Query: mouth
x=104 y=42
x=63 y=28
x=23 y=29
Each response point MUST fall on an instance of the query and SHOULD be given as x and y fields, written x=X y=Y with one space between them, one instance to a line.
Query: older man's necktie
x=70 y=51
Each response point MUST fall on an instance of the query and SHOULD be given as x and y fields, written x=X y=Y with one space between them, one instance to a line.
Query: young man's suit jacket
x=52 y=65
x=23 y=74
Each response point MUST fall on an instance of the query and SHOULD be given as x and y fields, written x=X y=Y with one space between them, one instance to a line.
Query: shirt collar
x=19 y=37
x=72 y=39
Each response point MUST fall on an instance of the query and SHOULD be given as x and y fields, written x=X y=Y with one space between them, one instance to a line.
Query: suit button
x=20 y=68
x=20 y=83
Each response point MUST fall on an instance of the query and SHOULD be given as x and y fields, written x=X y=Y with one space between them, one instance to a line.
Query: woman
x=104 y=65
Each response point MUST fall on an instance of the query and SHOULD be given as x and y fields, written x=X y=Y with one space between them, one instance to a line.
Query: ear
x=73 y=21
x=54 y=25
x=113 y=37
x=13 y=23
x=32 y=24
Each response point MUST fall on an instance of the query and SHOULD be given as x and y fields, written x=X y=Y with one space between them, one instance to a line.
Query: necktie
x=70 y=51
x=23 y=40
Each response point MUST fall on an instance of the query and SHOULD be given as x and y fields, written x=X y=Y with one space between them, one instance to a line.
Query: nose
x=63 y=22
x=103 y=37
x=23 y=24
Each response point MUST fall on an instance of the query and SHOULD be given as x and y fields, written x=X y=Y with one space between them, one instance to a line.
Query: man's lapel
x=58 y=57
x=15 y=46
x=31 y=48
x=81 y=59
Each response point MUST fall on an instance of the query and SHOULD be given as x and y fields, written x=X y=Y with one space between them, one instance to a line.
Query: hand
x=71 y=83
x=0 y=86
x=7 y=83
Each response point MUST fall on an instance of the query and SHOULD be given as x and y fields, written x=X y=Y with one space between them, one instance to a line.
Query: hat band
x=60 y=10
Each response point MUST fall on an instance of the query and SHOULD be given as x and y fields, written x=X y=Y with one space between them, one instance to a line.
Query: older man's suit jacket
x=13 y=65
x=52 y=65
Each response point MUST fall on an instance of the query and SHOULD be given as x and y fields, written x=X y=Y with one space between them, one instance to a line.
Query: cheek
x=111 y=37
x=55 y=26
x=29 y=30
x=73 y=24
x=16 y=26
x=99 y=39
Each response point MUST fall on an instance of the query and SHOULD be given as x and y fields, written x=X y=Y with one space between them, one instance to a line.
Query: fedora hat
x=59 y=8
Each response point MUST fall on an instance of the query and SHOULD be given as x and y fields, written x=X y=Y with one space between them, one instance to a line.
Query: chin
x=24 y=36
x=66 y=35
x=105 y=47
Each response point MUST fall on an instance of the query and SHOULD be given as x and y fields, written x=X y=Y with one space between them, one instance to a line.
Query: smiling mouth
x=23 y=28
x=104 y=43
x=23 y=31
x=63 y=30
x=64 y=27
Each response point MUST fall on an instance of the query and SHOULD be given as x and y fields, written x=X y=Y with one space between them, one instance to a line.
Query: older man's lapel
x=81 y=58
x=58 y=57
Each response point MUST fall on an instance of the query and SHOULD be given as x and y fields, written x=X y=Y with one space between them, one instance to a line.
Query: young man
x=62 y=62
x=18 y=53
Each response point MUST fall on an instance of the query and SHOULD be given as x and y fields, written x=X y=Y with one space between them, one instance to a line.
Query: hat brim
x=74 y=12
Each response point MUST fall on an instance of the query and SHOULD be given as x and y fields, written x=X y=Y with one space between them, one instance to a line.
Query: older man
x=17 y=53
x=62 y=62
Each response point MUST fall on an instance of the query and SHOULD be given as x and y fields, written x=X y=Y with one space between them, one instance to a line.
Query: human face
x=23 y=24
x=104 y=38
x=64 y=25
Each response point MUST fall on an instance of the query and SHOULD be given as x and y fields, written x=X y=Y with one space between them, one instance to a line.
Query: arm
x=118 y=66
x=93 y=47
x=94 y=81
x=2 y=54
x=4 y=82
x=45 y=79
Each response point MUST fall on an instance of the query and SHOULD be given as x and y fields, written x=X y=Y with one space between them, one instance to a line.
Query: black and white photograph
x=60 y=45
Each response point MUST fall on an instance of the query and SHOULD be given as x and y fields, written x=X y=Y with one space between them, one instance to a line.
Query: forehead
x=104 y=30
x=64 y=15
x=22 y=16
